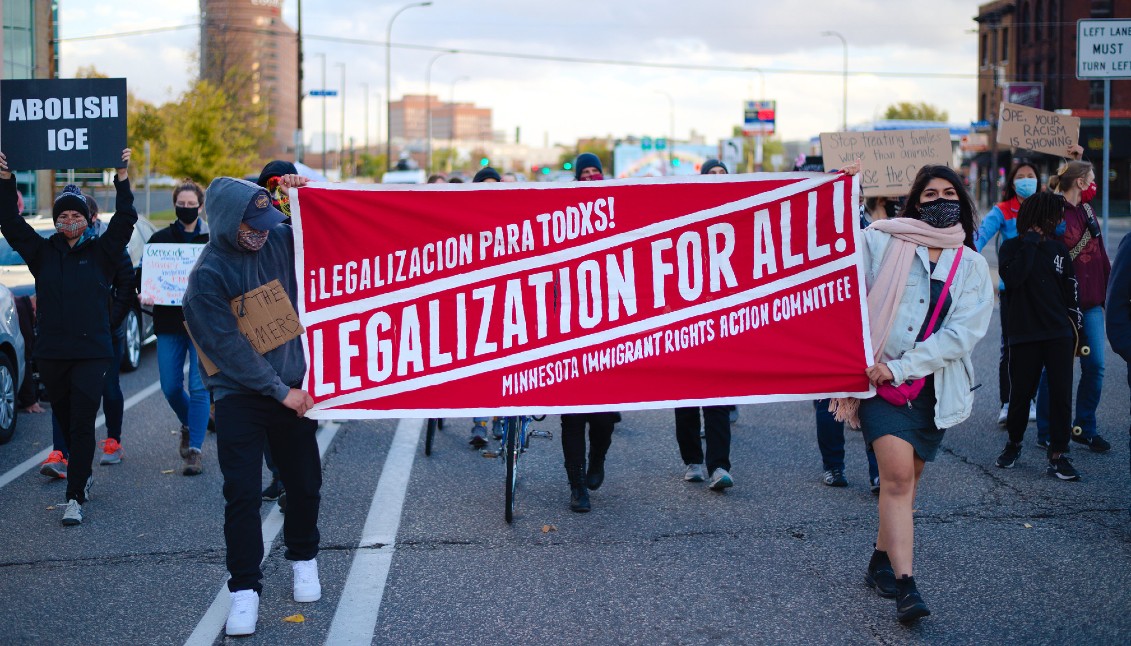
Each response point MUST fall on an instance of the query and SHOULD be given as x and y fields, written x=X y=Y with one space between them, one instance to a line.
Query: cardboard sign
x=165 y=270
x=1020 y=126
x=265 y=316
x=63 y=123
x=628 y=294
x=891 y=158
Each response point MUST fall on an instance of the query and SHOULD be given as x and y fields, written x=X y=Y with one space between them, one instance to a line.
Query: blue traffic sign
x=323 y=93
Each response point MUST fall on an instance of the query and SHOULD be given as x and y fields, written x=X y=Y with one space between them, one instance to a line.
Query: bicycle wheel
x=511 y=449
x=432 y=424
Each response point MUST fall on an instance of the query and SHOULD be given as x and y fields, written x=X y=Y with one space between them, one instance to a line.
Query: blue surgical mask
x=1025 y=186
x=1060 y=228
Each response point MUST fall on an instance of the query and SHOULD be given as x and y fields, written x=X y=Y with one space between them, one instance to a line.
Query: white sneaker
x=1032 y=411
x=243 y=614
x=1001 y=417
x=695 y=473
x=720 y=480
x=307 y=587
x=72 y=515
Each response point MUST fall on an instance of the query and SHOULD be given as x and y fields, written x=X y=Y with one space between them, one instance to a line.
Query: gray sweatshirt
x=226 y=270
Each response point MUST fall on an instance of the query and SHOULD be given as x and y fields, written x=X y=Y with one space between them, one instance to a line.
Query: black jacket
x=170 y=319
x=1119 y=301
x=72 y=284
x=1041 y=289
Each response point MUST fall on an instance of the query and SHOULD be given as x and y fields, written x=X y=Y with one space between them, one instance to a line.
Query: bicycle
x=514 y=442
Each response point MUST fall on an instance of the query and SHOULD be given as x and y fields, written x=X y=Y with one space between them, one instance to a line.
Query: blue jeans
x=190 y=407
x=830 y=440
x=113 y=402
x=1091 y=381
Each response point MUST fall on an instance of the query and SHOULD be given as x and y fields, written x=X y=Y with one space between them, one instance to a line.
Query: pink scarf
x=885 y=293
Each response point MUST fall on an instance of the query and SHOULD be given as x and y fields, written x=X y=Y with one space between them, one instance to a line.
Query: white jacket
x=946 y=353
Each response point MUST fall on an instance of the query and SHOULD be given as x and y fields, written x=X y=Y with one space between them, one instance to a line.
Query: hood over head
x=232 y=201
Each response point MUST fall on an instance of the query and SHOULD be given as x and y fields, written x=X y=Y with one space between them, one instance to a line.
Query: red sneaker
x=111 y=452
x=55 y=466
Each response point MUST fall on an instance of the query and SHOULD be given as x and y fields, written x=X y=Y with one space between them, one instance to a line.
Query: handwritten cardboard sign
x=1042 y=131
x=165 y=270
x=891 y=158
x=265 y=316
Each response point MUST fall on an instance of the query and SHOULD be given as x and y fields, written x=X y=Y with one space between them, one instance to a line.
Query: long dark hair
x=965 y=202
x=1007 y=191
x=1042 y=211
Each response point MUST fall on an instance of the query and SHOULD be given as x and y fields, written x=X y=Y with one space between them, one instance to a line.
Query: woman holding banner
x=928 y=306
x=73 y=272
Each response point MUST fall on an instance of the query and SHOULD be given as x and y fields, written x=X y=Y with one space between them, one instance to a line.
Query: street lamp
x=323 y=88
x=365 y=115
x=844 y=114
x=342 y=134
x=428 y=97
x=671 y=132
x=762 y=76
x=389 y=81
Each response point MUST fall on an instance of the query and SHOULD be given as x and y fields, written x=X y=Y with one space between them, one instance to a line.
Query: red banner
x=526 y=298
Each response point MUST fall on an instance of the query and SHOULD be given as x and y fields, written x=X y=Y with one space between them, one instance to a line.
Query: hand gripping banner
x=526 y=298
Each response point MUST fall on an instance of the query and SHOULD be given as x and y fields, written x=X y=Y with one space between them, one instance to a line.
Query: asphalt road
x=1002 y=555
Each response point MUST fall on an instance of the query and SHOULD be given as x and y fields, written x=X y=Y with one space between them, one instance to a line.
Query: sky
x=558 y=102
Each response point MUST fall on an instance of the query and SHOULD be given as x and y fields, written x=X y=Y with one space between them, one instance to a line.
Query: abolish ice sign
x=63 y=123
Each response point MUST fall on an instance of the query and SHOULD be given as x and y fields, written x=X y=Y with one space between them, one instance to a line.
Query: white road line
x=217 y=614
x=356 y=616
x=38 y=458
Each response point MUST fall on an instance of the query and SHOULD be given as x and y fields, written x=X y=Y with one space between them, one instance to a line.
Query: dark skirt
x=913 y=424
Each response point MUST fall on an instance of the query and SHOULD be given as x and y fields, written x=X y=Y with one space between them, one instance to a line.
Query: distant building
x=29 y=41
x=250 y=36
x=465 y=122
x=1027 y=54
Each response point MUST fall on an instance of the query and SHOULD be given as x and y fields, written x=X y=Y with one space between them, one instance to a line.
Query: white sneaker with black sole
x=72 y=515
x=307 y=587
x=720 y=479
x=244 y=613
x=695 y=473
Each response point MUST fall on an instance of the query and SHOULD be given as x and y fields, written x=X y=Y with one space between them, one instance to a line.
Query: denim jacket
x=946 y=353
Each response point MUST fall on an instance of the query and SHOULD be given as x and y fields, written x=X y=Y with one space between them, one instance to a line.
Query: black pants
x=74 y=389
x=242 y=424
x=1003 y=361
x=600 y=436
x=716 y=423
x=1026 y=360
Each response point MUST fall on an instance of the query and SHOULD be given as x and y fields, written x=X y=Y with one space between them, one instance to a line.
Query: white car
x=11 y=363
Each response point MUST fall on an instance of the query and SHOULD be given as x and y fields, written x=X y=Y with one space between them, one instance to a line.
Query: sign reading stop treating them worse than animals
x=470 y=299
x=63 y=123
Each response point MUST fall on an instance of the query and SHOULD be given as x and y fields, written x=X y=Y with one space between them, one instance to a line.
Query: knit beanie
x=709 y=164
x=485 y=174
x=276 y=168
x=71 y=199
x=586 y=160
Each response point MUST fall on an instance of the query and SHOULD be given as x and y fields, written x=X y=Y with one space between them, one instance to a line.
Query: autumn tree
x=921 y=111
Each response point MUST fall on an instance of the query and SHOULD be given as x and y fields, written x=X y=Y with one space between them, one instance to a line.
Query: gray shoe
x=73 y=514
x=185 y=448
x=695 y=473
x=720 y=480
x=192 y=465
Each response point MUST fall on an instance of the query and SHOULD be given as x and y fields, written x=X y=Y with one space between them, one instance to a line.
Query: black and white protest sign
x=63 y=123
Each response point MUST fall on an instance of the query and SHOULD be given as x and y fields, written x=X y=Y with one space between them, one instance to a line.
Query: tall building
x=408 y=119
x=29 y=41
x=1027 y=48
x=250 y=36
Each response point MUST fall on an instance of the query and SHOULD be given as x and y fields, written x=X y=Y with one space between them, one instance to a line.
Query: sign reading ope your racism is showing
x=63 y=123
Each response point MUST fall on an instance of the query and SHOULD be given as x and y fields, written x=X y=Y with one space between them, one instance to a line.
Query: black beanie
x=276 y=168
x=71 y=199
x=485 y=174
x=711 y=163
x=586 y=160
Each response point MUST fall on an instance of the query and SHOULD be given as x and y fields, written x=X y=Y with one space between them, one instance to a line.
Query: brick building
x=1034 y=42
x=465 y=122
x=250 y=36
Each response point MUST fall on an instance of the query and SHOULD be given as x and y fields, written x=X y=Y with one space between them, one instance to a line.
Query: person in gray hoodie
x=258 y=397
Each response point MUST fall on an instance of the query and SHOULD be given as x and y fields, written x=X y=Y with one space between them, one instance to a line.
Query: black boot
x=880 y=575
x=910 y=606
x=596 y=474
x=578 y=494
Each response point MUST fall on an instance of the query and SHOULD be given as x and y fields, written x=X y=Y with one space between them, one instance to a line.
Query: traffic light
x=484 y=161
x=545 y=170
x=675 y=161
x=568 y=166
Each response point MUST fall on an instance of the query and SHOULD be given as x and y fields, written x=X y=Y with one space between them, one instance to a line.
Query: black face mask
x=940 y=213
x=186 y=214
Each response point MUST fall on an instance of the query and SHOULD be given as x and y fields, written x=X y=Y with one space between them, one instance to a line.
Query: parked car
x=15 y=275
x=11 y=363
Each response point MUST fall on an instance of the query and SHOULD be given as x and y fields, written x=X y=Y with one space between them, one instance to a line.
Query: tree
x=371 y=166
x=209 y=132
x=921 y=111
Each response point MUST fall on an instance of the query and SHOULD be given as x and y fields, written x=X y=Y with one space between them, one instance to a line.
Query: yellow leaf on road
x=167 y=471
x=1028 y=526
x=295 y=619
x=546 y=529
